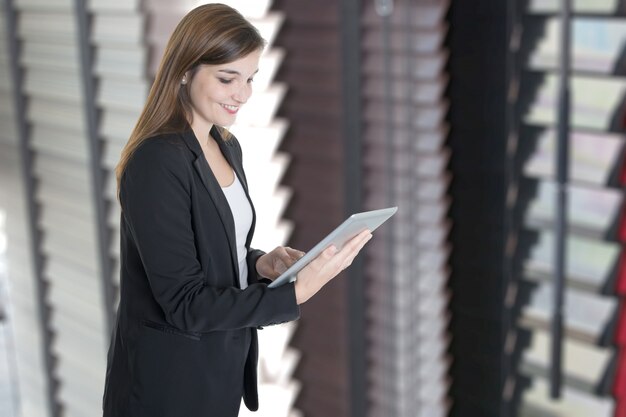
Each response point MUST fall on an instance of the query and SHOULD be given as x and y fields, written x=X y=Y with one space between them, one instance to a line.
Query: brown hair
x=211 y=34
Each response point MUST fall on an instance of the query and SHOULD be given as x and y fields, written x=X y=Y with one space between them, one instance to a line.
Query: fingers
x=327 y=266
x=294 y=253
x=283 y=257
x=356 y=243
x=329 y=252
x=339 y=260
x=288 y=255
x=274 y=263
x=361 y=239
x=354 y=247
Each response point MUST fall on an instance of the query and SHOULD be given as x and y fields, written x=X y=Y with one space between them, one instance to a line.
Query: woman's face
x=218 y=91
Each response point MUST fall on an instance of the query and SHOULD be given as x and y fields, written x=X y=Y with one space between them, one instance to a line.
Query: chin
x=226 y=122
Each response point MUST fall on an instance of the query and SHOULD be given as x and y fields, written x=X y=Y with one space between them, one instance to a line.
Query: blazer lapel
x=235 y=162
x=214 y=189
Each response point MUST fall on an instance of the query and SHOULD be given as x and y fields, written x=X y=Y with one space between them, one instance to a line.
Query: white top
x=242 y=214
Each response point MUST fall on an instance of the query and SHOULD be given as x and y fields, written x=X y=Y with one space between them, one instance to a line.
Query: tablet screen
x=352 y=226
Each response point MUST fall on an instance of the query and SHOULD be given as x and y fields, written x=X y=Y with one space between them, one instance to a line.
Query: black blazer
x=185 y=341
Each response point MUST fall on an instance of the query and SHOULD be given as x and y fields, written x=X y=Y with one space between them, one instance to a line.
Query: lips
x=230 y=109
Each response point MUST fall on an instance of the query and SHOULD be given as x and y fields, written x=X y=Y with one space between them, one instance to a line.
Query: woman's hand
x=327 y=265
x=274 y=263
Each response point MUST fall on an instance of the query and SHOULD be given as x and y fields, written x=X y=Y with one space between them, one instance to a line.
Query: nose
x=243 y=93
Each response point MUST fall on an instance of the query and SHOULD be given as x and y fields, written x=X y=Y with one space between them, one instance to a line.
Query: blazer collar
x=228 y=150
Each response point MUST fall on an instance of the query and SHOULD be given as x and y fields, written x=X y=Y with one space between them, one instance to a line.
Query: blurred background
x=447 y=109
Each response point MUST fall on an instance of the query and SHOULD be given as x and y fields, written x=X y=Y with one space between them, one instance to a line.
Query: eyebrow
x=233 y=72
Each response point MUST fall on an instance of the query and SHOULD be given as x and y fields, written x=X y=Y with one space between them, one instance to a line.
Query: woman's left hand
x=274 y=263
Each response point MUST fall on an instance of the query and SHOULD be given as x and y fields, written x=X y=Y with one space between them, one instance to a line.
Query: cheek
x=195 y=96
x=199 y=96
x=208 y=94
x=219 y=94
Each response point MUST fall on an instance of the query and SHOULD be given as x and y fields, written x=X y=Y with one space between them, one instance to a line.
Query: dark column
x=477 y=42
x=352 y=136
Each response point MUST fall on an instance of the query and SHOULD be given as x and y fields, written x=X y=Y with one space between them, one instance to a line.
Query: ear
x=188 y=75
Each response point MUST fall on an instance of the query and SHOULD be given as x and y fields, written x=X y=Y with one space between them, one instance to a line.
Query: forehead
x=248 y=64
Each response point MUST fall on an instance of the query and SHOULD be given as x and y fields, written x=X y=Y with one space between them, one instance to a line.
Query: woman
x=192 y=291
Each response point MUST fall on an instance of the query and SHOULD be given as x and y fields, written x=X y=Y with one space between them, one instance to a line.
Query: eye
x=250 y=80
x=225 y=80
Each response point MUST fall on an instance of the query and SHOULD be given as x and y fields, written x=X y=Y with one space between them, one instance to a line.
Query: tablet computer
x=355 y=224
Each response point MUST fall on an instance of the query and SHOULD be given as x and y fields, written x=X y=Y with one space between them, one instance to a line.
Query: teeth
x=230 y=107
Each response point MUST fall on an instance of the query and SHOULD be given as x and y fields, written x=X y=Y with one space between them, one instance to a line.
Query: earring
x=184 y=80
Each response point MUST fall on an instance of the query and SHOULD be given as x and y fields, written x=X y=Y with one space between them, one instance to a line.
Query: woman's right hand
x=327 y=266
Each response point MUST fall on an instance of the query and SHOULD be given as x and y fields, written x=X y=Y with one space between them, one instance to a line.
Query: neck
x=203 y=135
x=200 y=127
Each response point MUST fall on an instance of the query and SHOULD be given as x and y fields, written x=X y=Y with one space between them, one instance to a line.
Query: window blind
x=591 y=346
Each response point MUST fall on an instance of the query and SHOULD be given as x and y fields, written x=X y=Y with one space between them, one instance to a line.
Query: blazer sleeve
x=156 y=203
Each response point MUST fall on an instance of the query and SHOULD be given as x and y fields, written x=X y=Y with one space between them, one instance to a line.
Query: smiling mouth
x=230 y=109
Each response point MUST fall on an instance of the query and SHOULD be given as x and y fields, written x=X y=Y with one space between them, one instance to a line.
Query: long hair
x=211 y=34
